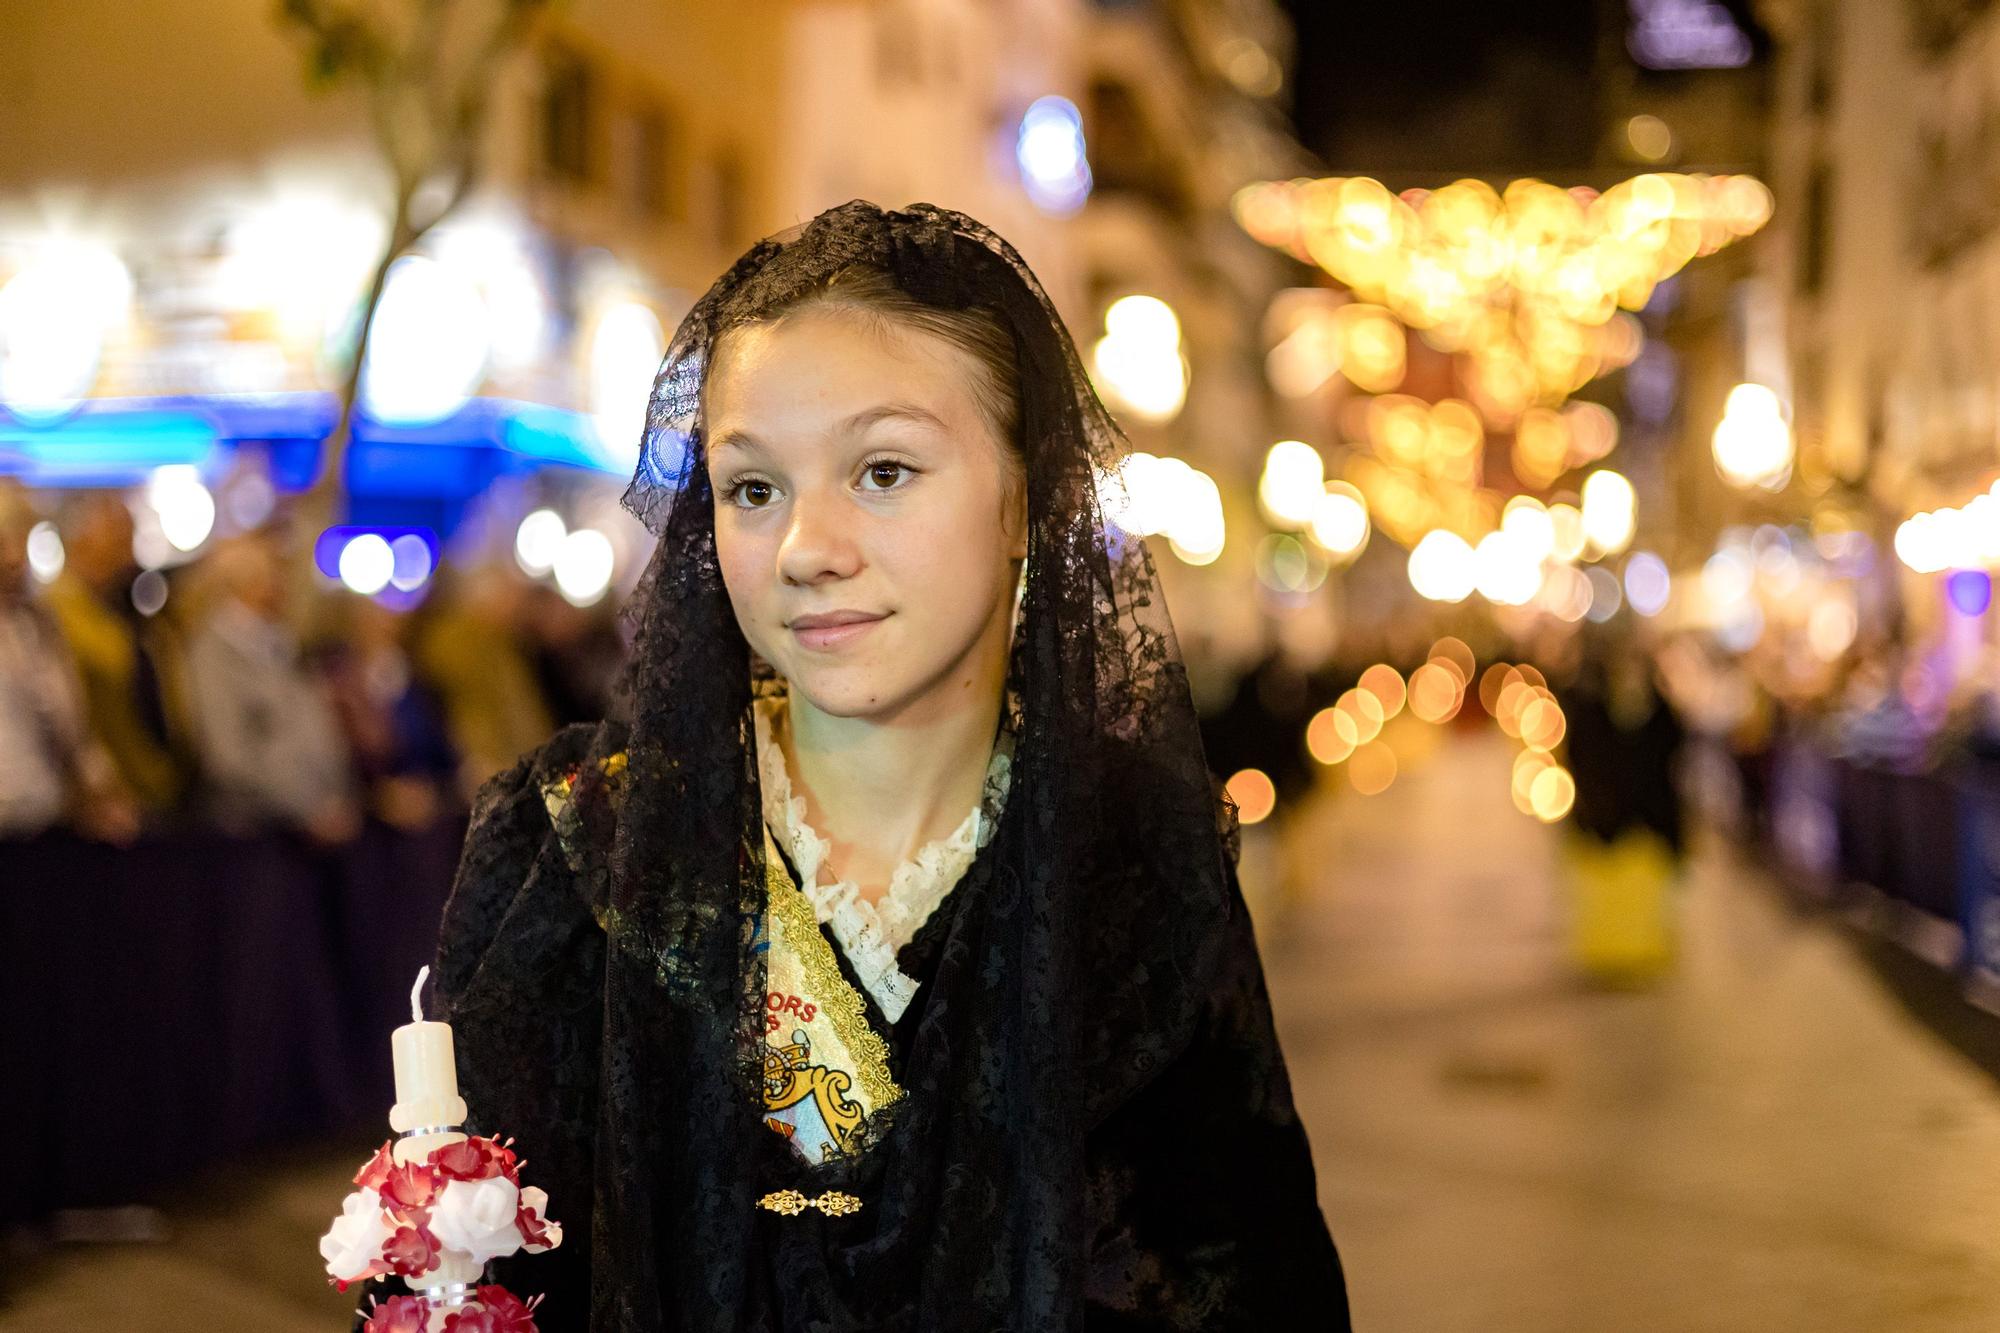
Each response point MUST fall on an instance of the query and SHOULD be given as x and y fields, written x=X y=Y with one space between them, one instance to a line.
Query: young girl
x=884 y=966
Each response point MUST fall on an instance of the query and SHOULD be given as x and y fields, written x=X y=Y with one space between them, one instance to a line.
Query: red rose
x=376 y=1173
x=475 y=1159
x=398 y=1314
x=410 y=1187
x=500 y=1311
x=411 y=1252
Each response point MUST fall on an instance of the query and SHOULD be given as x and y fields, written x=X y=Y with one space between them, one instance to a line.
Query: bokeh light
x=1255 y=795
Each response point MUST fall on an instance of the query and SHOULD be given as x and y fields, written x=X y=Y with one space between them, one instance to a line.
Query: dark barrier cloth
x=176 y=1004
x=1924 y=816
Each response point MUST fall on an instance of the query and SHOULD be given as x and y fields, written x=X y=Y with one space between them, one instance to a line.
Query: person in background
x=271 y=749
x=393 y=722
x=52 y=770
x=1627 y=839
x=577 y=655
x=469 y=647
x=128 y=699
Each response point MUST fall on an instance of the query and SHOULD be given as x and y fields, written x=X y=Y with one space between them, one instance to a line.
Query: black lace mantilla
x=1099 y=1131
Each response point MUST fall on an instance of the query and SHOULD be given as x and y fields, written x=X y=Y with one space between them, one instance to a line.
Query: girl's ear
x=1015 y=519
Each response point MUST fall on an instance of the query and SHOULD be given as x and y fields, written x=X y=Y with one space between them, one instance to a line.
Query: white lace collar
x=871 y=934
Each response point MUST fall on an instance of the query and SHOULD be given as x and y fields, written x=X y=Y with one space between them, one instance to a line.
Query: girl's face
x=856 y=480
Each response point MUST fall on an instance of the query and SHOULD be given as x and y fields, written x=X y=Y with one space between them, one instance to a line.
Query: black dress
x=1199 y=1188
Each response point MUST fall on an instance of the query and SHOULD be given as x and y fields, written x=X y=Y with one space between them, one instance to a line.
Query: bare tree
x=426 y=70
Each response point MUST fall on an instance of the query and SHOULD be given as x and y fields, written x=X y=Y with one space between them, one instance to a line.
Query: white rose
x=476 y=1217
x=354 y=1243
x=536 y=1200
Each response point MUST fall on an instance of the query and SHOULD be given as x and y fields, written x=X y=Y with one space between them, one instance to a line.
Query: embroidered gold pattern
x=791 y=1203
x=840 y=1002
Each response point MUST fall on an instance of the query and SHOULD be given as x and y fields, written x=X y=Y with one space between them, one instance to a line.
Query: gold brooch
x=791 y=1203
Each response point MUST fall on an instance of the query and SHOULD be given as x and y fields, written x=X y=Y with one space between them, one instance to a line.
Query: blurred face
x=864 y=516
x=13 y=556
x=98 y=544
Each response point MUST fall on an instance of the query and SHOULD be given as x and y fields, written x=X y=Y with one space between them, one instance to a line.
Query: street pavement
x=1770 y=1140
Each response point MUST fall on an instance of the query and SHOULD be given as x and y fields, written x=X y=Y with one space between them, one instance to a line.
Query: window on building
x=899 y=34
x=570 y=96
x=726 y=196
x=646 y=151
x=1816 y=231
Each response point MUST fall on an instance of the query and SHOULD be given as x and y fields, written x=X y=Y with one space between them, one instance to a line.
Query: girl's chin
x=841 y=691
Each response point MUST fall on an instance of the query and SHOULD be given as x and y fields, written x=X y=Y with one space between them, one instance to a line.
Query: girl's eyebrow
x=858 y=422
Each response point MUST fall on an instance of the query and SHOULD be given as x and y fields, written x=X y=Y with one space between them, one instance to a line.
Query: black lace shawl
x=1099 y=1130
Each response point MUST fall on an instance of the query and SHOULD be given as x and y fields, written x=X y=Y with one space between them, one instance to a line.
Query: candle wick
x=417 y=995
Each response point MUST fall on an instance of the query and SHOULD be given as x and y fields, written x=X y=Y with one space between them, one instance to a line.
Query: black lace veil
x=1085 y=952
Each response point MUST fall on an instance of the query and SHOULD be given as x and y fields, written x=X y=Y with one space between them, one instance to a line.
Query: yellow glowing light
x=1138 y=362
x=1497 y=678
x=1528 y=766
x=1331 y=735
x=1442 y=567
x=1293 y=481
x=1372 y=348
x=1552 y=794
x=1366 y=711
x=1567 y=522
x=1514 y=698
x=1452 y=652
x=1436 y=692
x=1386 y=684
x=1610 y=512
x=1254 y=794
x=1542 y=723
x=1526 y=282
x=1752 y=443
x=1340 y=520
x=1372 y=768
x=1649 y=136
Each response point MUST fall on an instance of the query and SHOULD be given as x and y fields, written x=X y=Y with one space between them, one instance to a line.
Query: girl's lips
x=835 y=636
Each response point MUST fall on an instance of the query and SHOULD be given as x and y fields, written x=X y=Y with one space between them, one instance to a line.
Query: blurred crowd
x=240 y=691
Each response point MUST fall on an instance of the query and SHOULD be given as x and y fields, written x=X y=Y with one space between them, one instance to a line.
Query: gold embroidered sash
x=826 y=1070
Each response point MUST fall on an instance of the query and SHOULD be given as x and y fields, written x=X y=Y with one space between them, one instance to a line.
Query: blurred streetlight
x=1138 y=362
x=1752 y=443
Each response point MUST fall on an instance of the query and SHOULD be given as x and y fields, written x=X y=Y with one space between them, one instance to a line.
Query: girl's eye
x=886 y=472
x=751 y=493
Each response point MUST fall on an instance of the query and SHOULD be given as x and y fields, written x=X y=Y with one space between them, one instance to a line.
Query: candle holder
x=434 y=1204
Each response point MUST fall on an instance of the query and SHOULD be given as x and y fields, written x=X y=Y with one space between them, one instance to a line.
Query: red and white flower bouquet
x=436 y=1221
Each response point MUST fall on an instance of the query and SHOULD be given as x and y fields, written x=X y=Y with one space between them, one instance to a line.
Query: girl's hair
x=874 y=294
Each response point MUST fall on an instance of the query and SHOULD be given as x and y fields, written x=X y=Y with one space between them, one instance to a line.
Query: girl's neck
x=878 y=791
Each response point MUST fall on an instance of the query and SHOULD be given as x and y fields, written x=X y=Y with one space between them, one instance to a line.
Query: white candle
x=426 y=1082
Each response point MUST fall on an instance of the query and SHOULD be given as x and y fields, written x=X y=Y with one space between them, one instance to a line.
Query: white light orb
x=1443 y=567
x=54 y=315
x=1144 y=321
x=1340 y=519
x=1610 y=512
x=626 y=349
x=584 y=565
x=411 y=562
x=367 y=564
x=1147 y=379
x=538 y=540
x=1049 y=149
x=429 y=346
x=1648 y=585
x=1293 y=481
x=1505 y=570
x=45 y=552
x=1527 y=522
x=186 y=508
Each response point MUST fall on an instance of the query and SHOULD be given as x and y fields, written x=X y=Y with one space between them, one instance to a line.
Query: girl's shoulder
x=563 y=795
